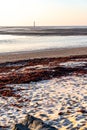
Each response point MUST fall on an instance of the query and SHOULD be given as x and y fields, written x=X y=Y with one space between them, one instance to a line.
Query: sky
x=43 y=12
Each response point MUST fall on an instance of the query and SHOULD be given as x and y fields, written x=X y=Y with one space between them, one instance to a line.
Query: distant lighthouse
x=34 y=24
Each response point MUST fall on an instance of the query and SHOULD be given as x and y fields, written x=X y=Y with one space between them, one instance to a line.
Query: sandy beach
x=52 y=89
x=63 y=52
x=43 y=65
x=49 y=84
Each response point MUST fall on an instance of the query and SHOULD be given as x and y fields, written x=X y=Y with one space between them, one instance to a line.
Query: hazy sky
x=44 y=12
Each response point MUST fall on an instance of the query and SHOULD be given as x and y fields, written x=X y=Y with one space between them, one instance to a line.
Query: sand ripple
x=61 y=102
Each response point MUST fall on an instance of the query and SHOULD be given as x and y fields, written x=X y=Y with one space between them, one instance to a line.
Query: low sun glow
x=44 y=12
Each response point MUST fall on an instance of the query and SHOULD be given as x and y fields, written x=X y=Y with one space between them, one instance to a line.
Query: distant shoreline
x=49 y=53
x=44 y=31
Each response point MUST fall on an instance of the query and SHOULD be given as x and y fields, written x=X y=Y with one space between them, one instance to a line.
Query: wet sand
x=49 y=53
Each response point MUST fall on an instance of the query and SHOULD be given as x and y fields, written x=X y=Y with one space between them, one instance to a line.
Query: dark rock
x=33 y=123
x=20 y=127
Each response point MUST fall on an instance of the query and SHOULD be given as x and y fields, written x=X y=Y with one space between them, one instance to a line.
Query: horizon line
x=43 y=25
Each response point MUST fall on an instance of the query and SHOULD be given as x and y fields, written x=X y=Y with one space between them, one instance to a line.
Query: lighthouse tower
x=34 y=24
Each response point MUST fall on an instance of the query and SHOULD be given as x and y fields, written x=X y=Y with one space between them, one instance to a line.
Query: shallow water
x=12 y=43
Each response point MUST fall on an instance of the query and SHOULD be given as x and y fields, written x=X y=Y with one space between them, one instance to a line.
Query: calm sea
x=11 y=43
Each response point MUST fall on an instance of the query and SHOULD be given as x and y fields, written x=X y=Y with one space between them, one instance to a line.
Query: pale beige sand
x=60 y=101
x=43 y=53
x=45 y=100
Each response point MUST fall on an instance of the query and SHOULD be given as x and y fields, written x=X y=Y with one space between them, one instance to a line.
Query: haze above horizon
x=44 y=12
